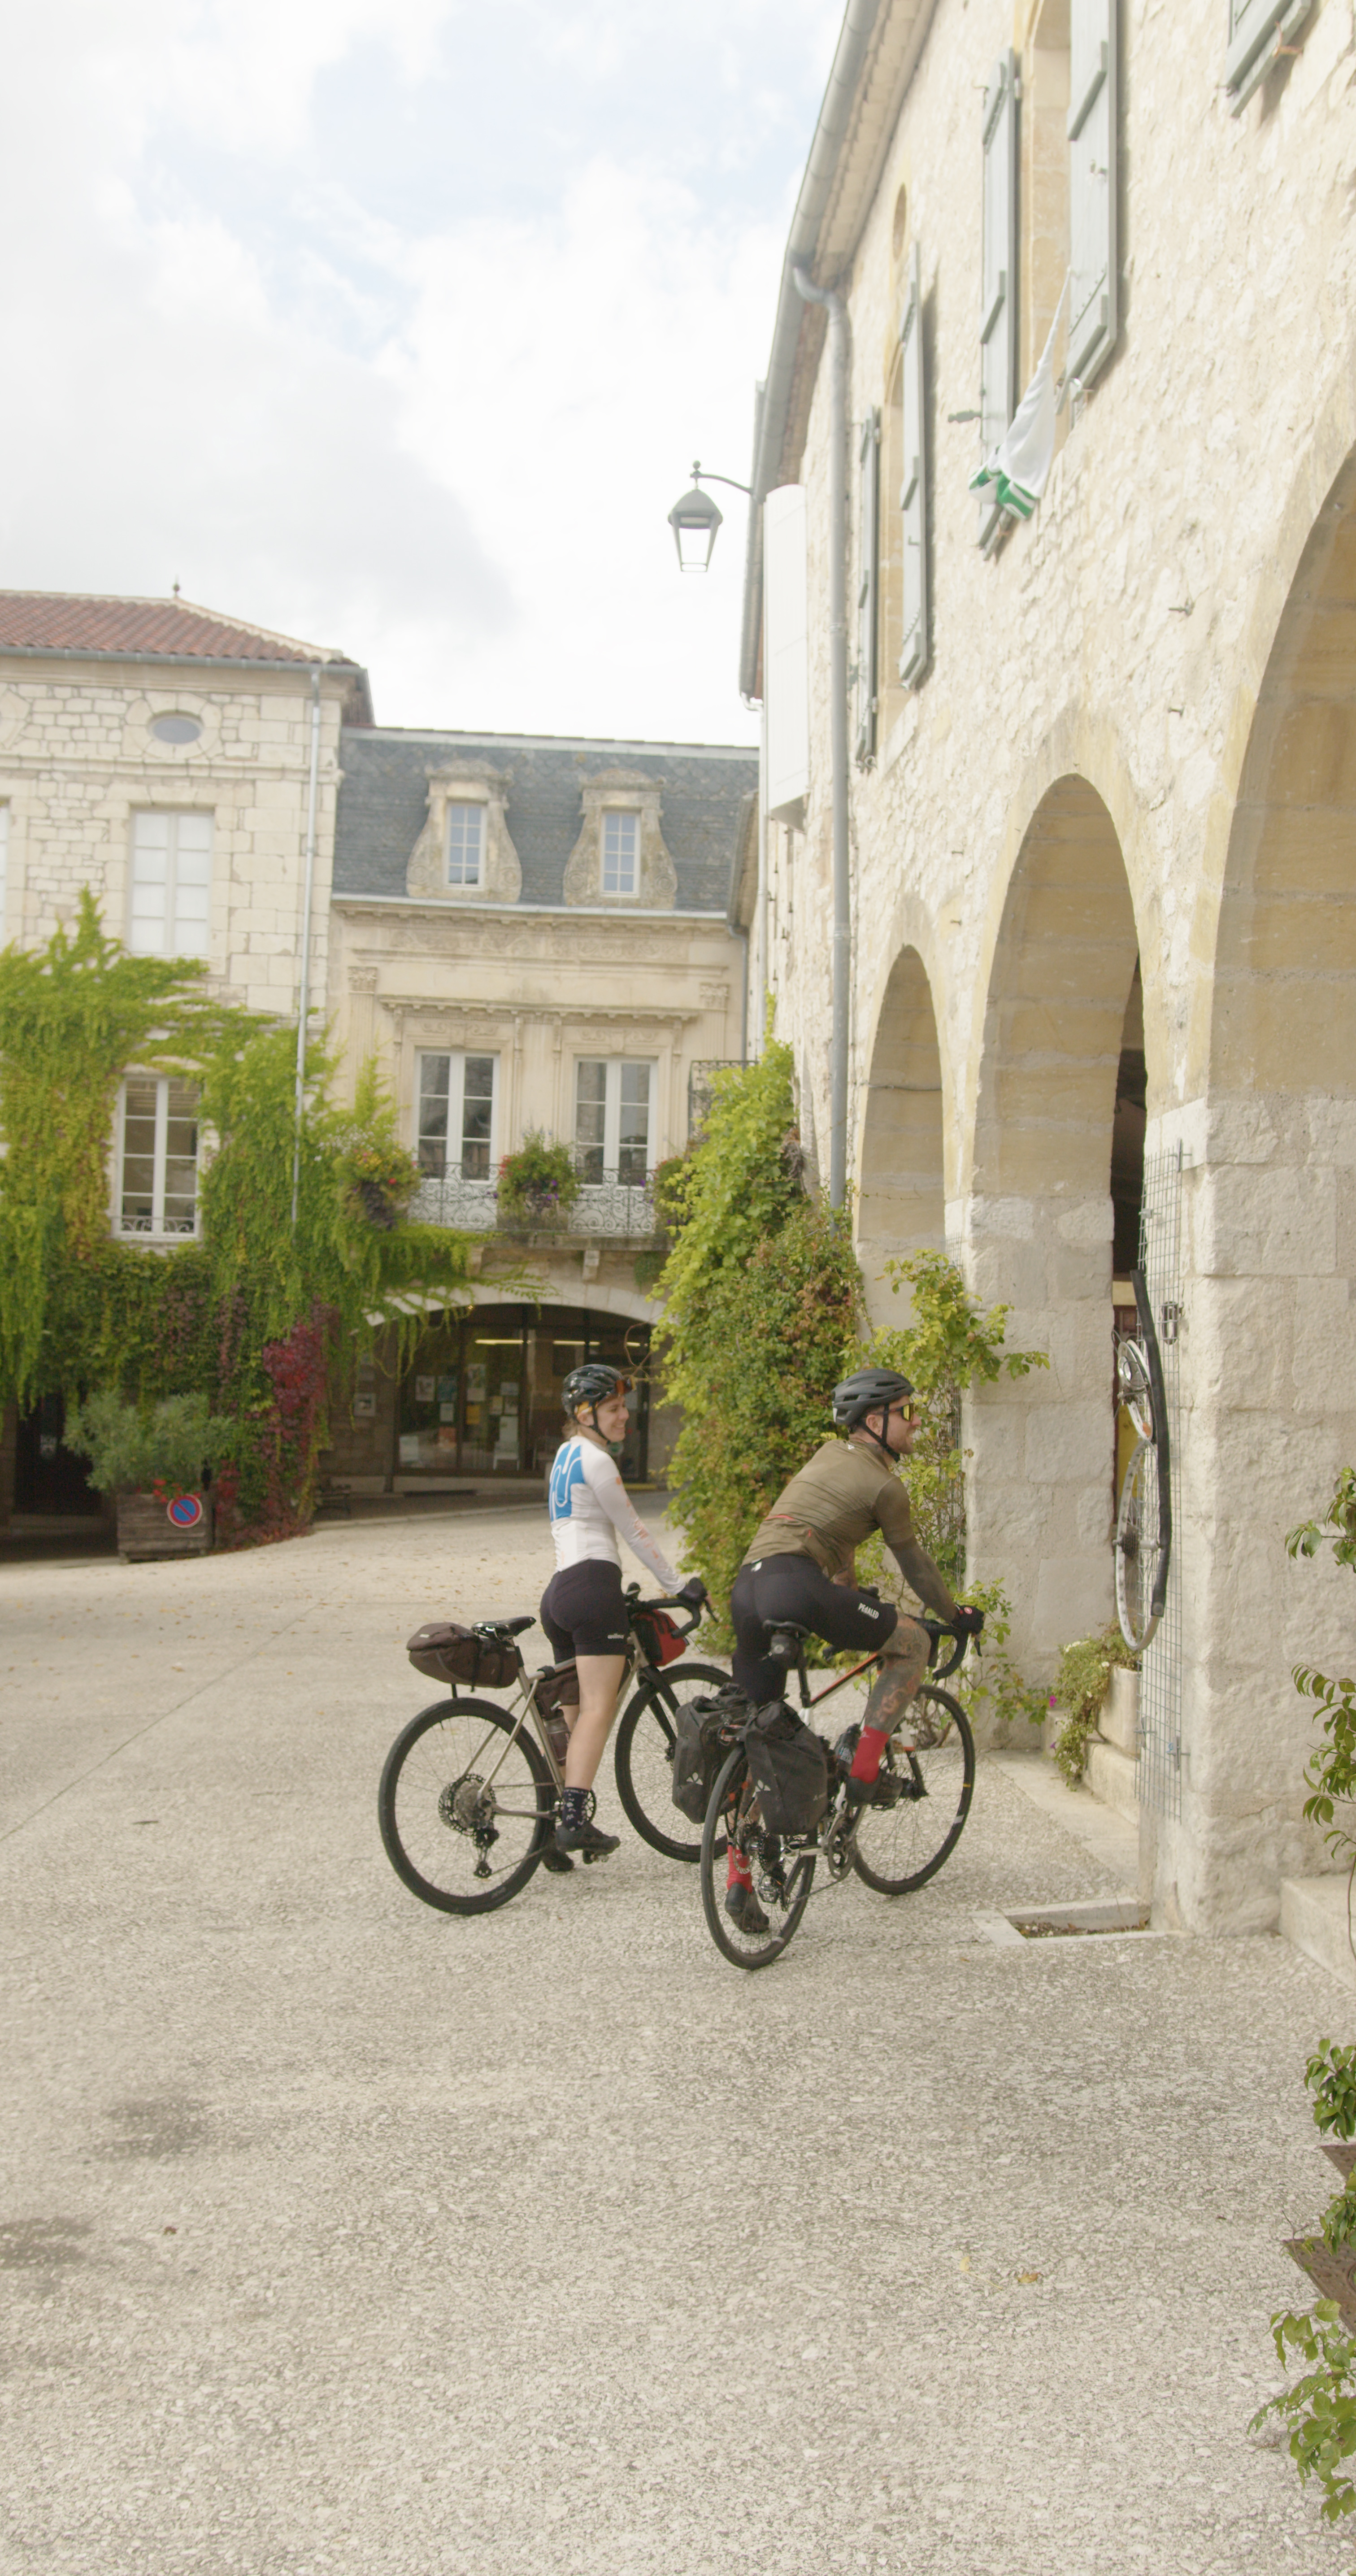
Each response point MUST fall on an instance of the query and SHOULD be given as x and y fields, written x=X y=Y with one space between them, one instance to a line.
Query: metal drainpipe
x=838 y=668
x=304 y=995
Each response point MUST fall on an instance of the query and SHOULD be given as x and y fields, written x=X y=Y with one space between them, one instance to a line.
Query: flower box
x=151 y=1525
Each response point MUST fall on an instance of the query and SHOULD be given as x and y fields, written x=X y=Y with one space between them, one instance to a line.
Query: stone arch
x=902 y=1200
x=1039 y=1219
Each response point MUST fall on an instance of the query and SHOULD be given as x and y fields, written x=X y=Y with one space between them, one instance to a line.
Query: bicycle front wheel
x=643 y=1760
x=465 y=1806
x=921 y=1799
x=781 y=1879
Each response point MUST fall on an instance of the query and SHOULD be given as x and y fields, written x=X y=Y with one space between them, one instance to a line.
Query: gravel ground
x=339 y=2234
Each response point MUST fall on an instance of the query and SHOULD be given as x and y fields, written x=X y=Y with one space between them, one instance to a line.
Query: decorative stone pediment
x=467 y=782
x=626 y=791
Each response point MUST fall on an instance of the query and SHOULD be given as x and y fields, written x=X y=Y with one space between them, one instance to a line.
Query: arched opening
x=902 y=1204
x=1054 y=1164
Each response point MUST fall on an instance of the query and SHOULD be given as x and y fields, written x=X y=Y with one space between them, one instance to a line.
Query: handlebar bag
x=449 y=1653
x=703 y=1731
x=661 y=1636
x=789 y=1768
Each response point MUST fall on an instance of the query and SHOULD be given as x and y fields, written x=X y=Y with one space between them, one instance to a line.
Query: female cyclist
x=582 y=1609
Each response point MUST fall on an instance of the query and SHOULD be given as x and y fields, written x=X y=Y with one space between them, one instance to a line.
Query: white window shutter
x=998 y=309
x=913 y=487
x=1093 y=126
x=1256 y=28
x=786 y=675
x=868 y=579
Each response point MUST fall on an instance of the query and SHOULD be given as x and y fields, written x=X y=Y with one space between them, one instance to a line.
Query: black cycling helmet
x=871 y=1390
x=593 y=1384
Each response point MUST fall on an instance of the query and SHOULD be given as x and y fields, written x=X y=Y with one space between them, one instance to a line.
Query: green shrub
x=539 y=1181
x=1081 y=1686
x=131 y=1447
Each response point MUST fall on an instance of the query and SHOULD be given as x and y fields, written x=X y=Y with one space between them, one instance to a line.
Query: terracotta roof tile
x=68 y=622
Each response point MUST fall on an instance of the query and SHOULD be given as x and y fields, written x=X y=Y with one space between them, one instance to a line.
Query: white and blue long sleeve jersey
x=589 y=1506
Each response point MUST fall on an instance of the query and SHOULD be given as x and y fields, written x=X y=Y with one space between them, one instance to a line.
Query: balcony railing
x=610 y=1206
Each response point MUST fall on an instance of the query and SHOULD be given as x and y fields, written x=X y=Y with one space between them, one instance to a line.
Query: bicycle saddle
x=785 y=1638
x=503 y=1627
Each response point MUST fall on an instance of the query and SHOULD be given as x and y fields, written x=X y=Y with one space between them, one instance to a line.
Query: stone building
x=531 y=935
x=1101 y=856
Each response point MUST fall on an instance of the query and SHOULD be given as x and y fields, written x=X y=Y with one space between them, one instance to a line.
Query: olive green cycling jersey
x=839 y=1497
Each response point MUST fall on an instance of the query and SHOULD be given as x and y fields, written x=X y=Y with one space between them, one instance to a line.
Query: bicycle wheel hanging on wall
x=1144 y=1520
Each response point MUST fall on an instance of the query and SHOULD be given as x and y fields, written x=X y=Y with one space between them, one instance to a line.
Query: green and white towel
x=1019 y=468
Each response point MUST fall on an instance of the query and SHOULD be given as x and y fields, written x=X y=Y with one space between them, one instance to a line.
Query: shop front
x=482 y=1394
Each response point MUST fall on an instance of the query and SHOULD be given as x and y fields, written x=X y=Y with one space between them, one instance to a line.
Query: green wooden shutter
x=868 y=584
x=998 y=306
x=1256 y=28
x=913 y=489
x=1093 y=122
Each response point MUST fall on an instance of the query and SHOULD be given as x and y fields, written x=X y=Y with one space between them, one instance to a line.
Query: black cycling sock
x=574 y=1808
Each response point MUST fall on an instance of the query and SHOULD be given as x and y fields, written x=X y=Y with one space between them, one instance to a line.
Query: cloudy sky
x=398 y=327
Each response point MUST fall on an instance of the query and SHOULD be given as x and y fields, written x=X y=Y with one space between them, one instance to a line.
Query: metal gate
x=1158 y=1782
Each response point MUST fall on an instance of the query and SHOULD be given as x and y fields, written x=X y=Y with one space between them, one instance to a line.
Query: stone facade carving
x=624 y=791
x=469 y=782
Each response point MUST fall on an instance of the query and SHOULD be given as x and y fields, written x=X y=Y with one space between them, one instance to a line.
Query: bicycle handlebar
x=937 y=1629
x=668 y=1601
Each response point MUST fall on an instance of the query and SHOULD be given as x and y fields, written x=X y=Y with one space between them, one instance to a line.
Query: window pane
x=431 y=1150
x=590 y=1113
x=138 y=1157
x=621 y=833
x=477 y=1114
x=633 y=1136
x=465 y=832
x=150 y=877
x=194 y=839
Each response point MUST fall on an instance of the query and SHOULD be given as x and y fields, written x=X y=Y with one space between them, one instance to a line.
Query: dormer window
x=621 y=852
x=465 y=844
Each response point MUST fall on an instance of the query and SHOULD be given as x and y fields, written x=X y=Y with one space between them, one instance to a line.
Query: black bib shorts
x=795 y=1588
x=583 y=1611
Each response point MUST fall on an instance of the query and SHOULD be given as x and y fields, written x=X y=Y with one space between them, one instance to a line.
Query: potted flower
x=155 y=1459
x=538 y=1185
x=384 y=1178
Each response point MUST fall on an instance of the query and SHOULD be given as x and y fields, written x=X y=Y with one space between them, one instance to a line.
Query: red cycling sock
x=738 y=1873
x=871 y=1744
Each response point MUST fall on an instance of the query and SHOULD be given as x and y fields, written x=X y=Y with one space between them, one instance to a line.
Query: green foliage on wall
x=1081 y=1686
x=256 y=1315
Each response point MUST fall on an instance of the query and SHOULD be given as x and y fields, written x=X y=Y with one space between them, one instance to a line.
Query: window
x=171 y=884
x=180 y=730
x=621 y=851
x=456 y=1115
x=1093 y=125
x=157 y=1156
x=1256 y=29
x=913 y=651
x=998 y=298
x=612 y=1120
x=465 y=844
x=867 y=582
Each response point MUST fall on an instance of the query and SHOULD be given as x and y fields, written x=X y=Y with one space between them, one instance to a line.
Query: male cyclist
x=582 y=1609
x=800 y=1565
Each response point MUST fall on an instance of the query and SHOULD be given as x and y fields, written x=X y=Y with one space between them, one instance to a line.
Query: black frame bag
x=448 y=1652
x=789 y=1768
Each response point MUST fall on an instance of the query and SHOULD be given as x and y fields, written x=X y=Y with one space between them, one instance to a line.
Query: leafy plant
x=1081 y=1686
x=132 y=1447
x=1338 y=1525
x=540 y=1180
x=1321 y=2407
x=1331 y=2078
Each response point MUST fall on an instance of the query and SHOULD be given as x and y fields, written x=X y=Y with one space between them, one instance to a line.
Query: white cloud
x=437 y=420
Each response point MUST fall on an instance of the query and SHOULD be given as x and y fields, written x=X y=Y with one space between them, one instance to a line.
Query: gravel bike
x=470 y=1790
x=895 y=1840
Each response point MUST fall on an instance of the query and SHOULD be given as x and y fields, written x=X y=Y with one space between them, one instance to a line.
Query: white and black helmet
x=870 y=1390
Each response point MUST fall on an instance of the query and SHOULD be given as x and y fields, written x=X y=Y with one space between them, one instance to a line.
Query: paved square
x=338 y=2234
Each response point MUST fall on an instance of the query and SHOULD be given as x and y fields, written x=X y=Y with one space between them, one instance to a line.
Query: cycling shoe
x=744 y=1910
x=585 y=1838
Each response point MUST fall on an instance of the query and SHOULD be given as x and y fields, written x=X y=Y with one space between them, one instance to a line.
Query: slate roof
x=383 y=805
x=72 y=622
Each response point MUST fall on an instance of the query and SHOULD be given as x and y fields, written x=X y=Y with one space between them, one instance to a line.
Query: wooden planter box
x=146 y=1529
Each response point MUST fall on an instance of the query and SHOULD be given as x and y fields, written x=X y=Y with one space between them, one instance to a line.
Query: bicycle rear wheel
x=464 y=1812
x=643 y=1760
x=781 y=1880
x=921 y=1799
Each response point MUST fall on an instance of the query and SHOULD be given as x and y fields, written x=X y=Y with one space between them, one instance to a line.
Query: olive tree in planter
x=154 y=1460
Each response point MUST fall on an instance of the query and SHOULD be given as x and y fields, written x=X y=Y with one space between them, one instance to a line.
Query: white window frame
x=619 y=814
x=612 y=1105
x=171 y=944
x=465 y=885
x=156 y=1232
x=455 y=1058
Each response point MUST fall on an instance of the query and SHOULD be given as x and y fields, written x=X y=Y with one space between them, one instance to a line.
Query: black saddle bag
x=789 y=1768
x=449 y=1653
x=703 y=1731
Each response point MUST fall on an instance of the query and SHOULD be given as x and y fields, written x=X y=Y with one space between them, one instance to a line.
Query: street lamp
x=695 y=521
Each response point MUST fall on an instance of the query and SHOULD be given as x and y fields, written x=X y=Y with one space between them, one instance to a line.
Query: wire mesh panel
x=1159 y=1774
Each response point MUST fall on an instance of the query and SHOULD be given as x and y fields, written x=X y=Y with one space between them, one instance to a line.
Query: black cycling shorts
x=583 y=1612
x=795 y=1588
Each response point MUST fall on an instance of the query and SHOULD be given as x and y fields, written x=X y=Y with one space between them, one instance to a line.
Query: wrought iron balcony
x=608 y=1205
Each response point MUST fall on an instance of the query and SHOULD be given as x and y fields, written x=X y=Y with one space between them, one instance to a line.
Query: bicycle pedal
x=588 y=1858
